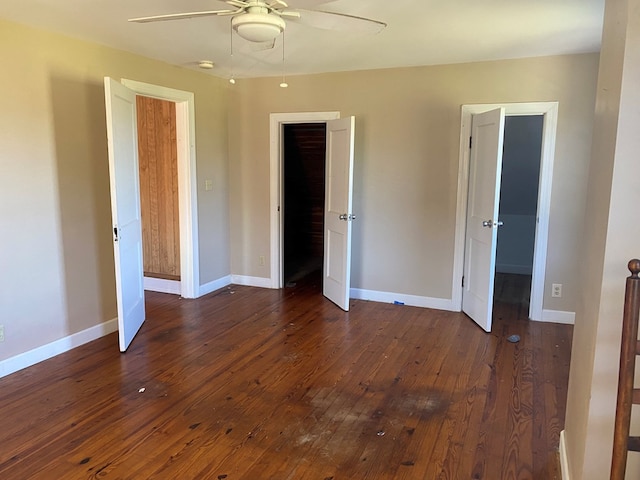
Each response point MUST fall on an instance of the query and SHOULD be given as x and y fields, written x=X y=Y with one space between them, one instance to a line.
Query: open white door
x=482 y=216
x=338 y=213
x=122 y=141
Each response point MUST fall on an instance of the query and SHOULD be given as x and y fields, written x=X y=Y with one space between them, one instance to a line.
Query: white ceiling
x=419 y=32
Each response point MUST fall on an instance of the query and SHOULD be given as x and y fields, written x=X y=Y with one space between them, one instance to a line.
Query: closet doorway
x=158 y=170
x=182 y=103
x=549 y=113
x=518 y=208
x=304 y=151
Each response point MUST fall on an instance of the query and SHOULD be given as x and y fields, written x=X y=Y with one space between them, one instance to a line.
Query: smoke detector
x=205 y=64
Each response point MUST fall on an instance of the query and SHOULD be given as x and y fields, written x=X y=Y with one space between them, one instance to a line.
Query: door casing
x=187 y=181
x=276 y=188
x=550 y=112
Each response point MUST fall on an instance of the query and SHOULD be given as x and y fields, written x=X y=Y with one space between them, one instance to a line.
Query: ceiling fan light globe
x=258 y=27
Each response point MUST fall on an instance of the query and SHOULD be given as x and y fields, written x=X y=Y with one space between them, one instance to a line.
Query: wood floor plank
x=249 y=383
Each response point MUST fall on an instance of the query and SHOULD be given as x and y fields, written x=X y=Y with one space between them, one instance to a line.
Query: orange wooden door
x=158 y=159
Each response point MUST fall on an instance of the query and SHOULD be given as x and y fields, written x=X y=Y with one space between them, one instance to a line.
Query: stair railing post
x=629 y=349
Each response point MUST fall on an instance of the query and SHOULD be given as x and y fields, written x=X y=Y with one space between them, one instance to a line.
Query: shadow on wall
x=85 y=210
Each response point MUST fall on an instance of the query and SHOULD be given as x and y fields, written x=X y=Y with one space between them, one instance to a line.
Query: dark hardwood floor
x=514 y=289
x=249 y=383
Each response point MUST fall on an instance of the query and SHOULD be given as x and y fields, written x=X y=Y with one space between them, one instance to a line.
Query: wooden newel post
x=627 y=395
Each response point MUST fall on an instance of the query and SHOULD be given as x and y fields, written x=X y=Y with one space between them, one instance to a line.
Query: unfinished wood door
x=159 y=187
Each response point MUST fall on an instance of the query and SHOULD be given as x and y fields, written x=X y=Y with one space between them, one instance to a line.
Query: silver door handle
x=347 y=217
x=491 y=223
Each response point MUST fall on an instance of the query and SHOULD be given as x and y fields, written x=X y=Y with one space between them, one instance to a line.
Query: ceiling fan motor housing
x=258 y=27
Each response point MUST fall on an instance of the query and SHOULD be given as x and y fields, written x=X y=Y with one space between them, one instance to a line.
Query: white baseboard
x=27 y=359
x=261 y=282
x=564 y=459
x=214 y=285
x=411 y=300
x=163 y=286
x=558 y=316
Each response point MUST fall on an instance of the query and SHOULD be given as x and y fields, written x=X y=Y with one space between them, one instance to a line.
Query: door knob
x=491 y=223
x=347 y=217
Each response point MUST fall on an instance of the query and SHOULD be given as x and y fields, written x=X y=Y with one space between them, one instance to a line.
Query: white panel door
x=482 y=216
x=122 y=141
x=338 y=213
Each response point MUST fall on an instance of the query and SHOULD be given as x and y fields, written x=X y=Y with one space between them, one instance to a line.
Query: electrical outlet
x=1 y=333
x=261 y=260
x=556 y=290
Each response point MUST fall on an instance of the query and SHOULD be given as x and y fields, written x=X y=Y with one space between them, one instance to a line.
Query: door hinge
x=470 y=142
x=115 y=234
x=463 y=281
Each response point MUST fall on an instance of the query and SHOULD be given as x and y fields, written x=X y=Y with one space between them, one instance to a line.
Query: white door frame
x=550 y=112
x=276 y=122
x=187 y=180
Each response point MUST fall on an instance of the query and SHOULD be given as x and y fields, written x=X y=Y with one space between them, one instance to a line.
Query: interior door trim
x=187 y=181
x=276 y=122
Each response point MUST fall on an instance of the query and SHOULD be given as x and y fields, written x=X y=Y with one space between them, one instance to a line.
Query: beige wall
x=610 y=241
x=55 y=239
x=406 y=166
x=56 y=253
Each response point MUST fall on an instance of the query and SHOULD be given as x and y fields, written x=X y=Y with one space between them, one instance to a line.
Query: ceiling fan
x=263 y=20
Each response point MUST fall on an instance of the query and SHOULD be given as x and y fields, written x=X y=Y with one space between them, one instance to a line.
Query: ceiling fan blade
x=340 y=21
x=287 y=13
x=180 y=16
x=275 y=4
x=231 y=12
